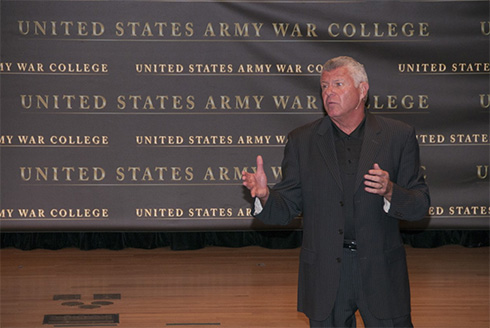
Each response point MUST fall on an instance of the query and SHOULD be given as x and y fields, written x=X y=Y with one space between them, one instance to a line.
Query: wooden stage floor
x=213 y=287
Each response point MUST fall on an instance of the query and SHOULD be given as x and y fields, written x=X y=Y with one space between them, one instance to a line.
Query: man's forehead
x=337 y=74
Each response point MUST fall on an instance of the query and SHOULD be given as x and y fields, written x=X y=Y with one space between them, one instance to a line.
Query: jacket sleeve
x=410 y=200
x=285 y=199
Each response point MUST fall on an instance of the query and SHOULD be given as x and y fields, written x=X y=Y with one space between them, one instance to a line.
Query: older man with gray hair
x=352 y=176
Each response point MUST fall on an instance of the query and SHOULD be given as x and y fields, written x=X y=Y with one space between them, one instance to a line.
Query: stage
x=214 y=287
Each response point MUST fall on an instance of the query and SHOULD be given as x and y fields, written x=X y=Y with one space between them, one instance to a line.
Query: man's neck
x=348 y=126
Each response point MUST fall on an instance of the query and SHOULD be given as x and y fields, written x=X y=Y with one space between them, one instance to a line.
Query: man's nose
x=328 y=91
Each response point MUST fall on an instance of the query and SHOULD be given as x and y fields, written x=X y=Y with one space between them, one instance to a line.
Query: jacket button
x=341 y=203
x=341 y=232
x=338 y=259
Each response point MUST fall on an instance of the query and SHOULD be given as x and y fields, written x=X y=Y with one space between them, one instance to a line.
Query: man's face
x=341 y=98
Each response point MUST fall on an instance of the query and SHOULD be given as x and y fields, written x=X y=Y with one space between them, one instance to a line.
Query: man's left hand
x=378 y=182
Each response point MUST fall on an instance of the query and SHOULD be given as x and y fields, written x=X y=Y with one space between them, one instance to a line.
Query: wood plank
x=220 y=287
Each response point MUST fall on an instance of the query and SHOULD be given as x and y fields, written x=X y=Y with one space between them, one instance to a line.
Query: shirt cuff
x=258 y=206
x=387 y=205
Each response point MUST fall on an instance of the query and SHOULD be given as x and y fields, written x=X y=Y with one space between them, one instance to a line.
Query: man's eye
x=339 y=84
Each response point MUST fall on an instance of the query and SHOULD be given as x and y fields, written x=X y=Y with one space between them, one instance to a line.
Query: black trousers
x=350 y=299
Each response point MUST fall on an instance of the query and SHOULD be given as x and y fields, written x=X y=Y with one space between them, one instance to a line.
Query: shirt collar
x=358 y=133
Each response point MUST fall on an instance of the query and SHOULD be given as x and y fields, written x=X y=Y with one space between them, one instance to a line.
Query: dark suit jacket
x=312 y=185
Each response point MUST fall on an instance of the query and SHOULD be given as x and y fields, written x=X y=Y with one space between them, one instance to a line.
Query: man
x=352 y=176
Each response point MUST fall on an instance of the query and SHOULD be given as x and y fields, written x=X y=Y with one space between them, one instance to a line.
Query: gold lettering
x=83 y=102
x=63 y=28
x=65 y=173
x=482 y=171
x=485 y=100
x=485 y=28
x=394 y=102
x=297 y=30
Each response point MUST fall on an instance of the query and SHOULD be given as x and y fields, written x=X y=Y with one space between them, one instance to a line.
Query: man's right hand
x=257 y=182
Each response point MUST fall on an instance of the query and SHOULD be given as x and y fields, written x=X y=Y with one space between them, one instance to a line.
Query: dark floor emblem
x=107 y=296
x=99 y=300
x=72 y=303
x=67 y=297
x=67 y=320
x=79 y=320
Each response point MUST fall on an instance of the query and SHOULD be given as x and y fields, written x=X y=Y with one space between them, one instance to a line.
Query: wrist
x=389 y=191
x=263 y=199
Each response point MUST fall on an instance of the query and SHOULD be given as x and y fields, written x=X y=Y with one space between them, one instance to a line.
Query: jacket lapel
x=370 y=148
x=326 y=146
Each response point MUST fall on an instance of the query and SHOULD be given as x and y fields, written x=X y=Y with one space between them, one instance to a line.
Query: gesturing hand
x=378 y=182
x=257 y=182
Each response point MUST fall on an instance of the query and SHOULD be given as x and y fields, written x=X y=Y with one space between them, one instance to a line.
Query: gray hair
x=355 y=68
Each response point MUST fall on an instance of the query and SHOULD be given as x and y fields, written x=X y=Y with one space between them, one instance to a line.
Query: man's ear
x=364 y=89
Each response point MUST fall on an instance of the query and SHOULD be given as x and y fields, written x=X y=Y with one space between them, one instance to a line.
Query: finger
x=372 y=184
x=371 y=190
x=245 y=175
x=373 y=178
x=376 y=170
x=248 y=180
x=374 y=188
x=260 y=164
